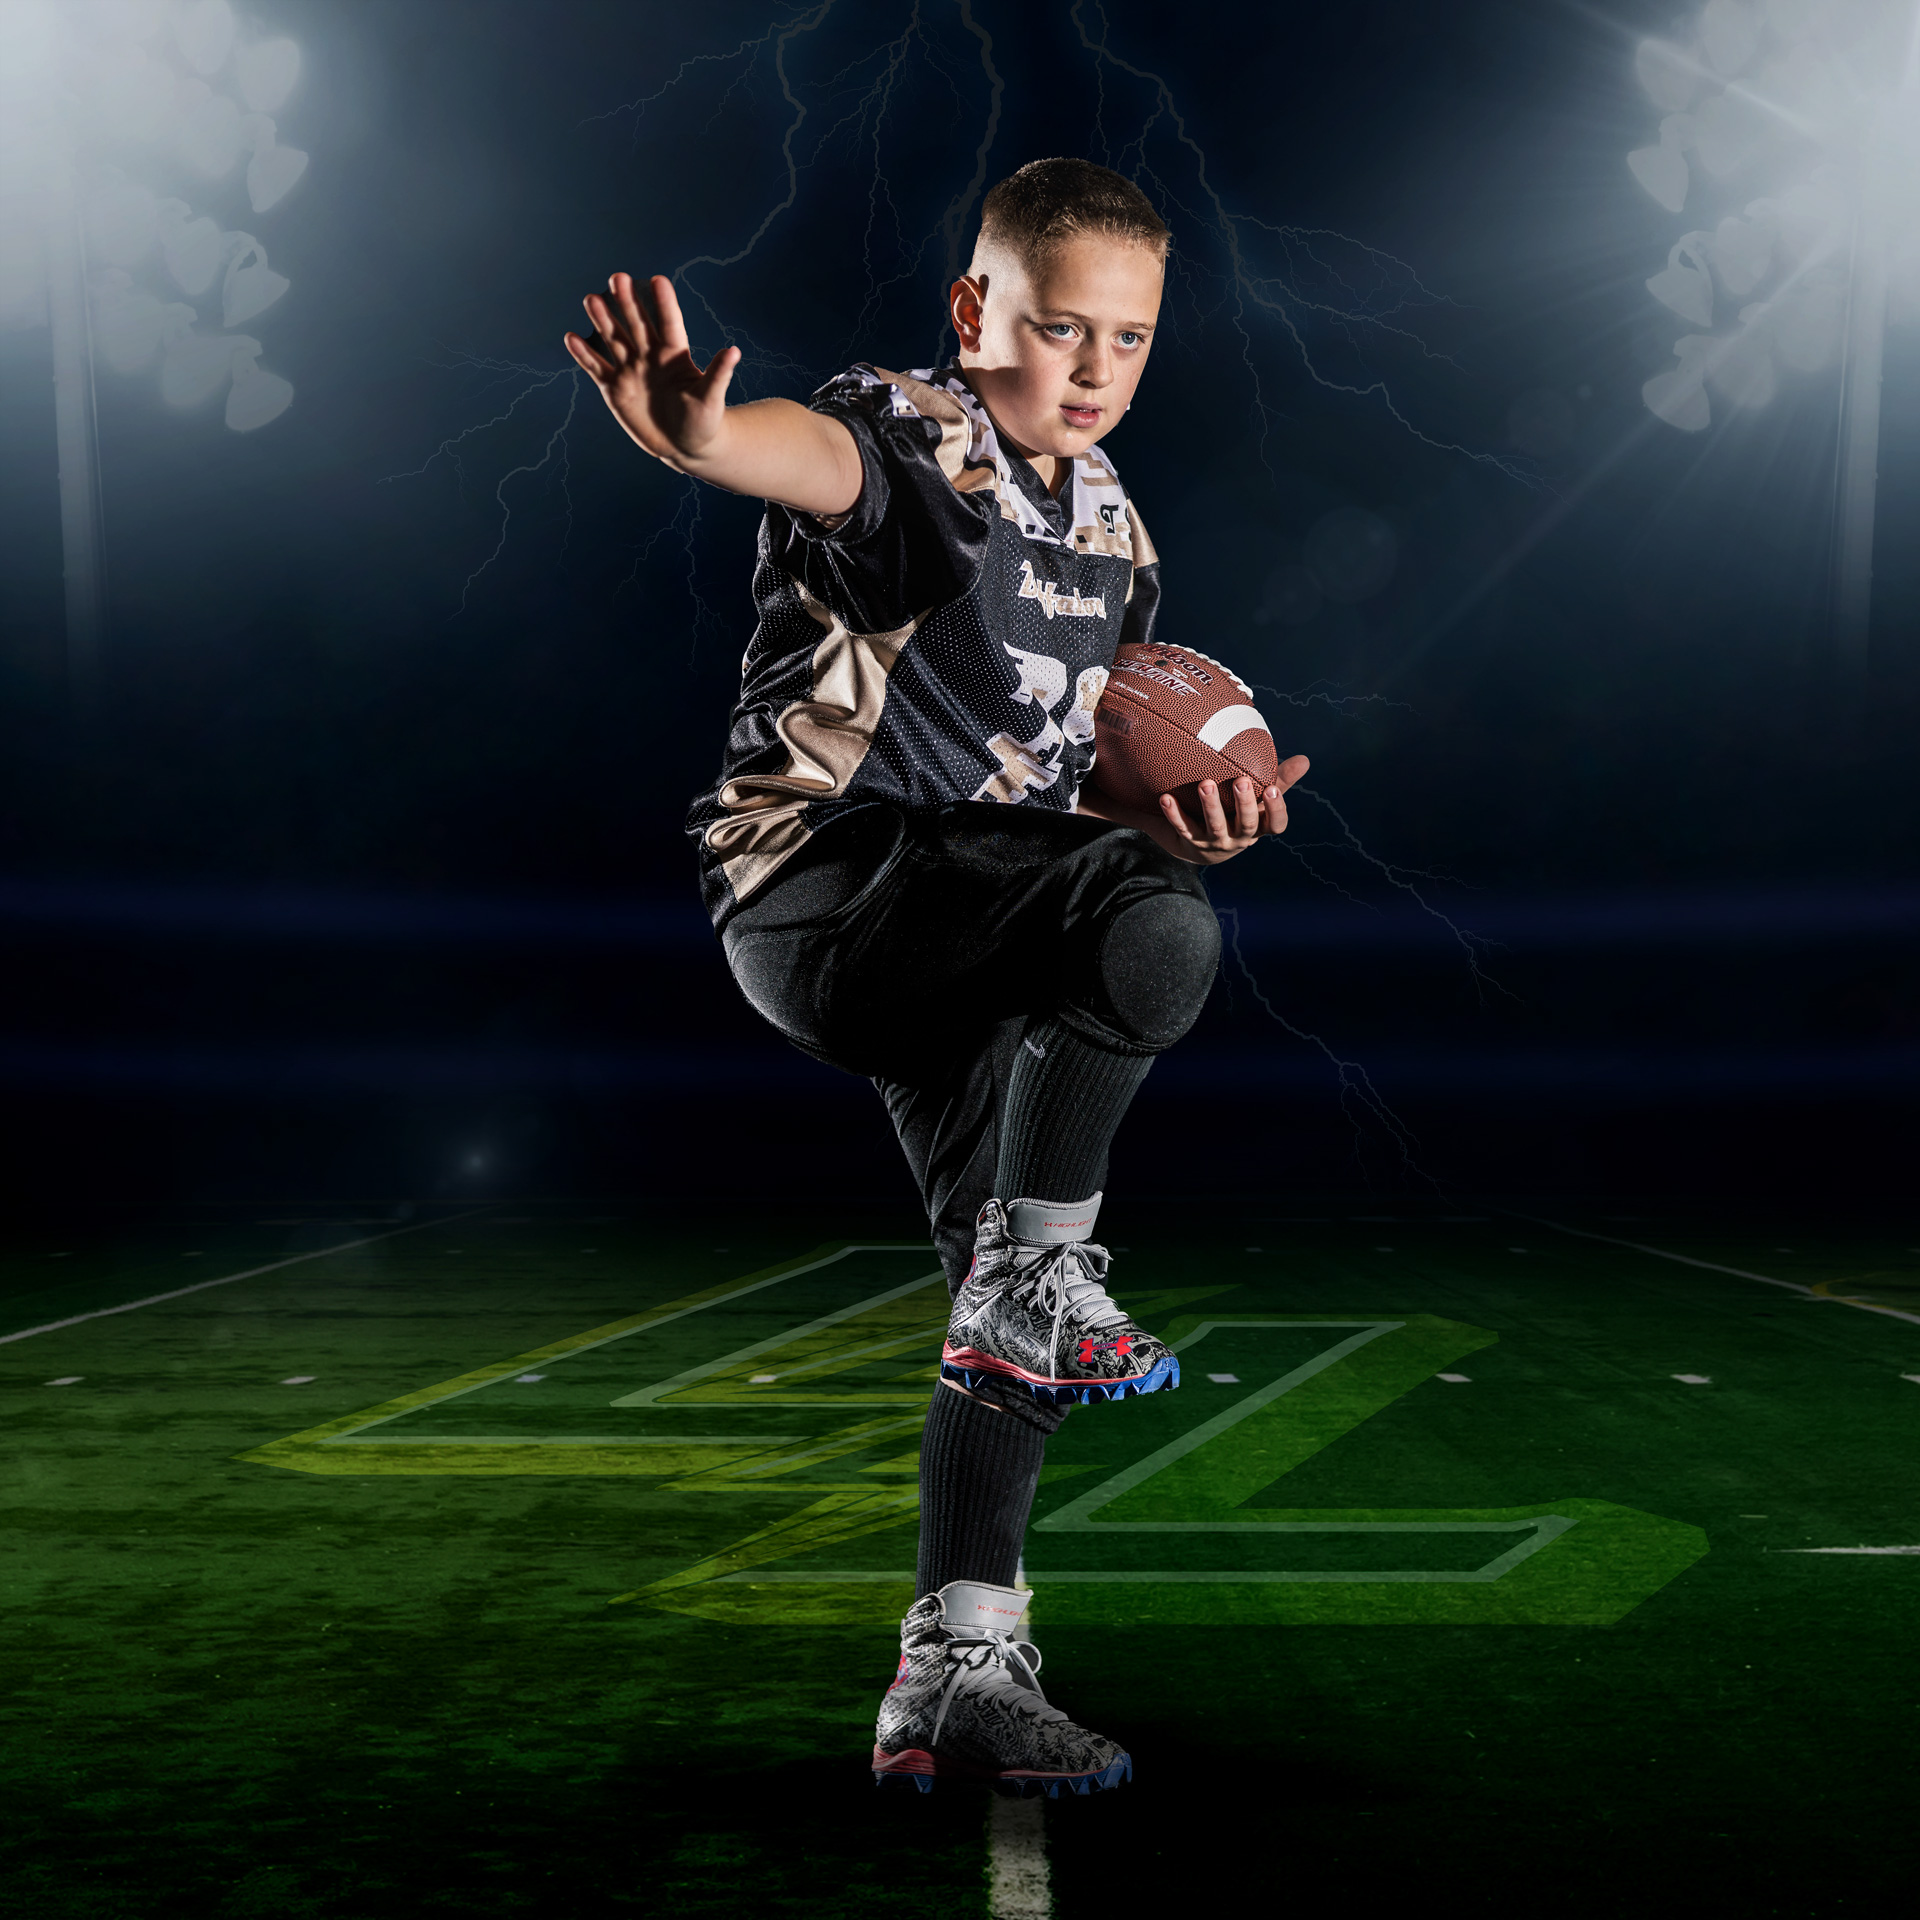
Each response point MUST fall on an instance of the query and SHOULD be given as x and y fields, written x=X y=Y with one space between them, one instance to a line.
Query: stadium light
x=112 y=112
x=1791 y=142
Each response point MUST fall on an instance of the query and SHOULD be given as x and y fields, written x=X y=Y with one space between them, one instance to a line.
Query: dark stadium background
x=333 y=887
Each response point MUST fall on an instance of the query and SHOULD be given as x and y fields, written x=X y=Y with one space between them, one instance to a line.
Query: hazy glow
x=1791 y=144
x=137 y=109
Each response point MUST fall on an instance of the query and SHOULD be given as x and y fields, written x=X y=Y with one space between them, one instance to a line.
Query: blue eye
x=1059 y=327
x=1130 y=339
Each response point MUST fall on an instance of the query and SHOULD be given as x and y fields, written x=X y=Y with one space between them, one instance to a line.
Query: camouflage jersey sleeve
x=916 y=537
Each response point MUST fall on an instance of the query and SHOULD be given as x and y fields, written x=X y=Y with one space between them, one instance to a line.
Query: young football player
x=913 y=878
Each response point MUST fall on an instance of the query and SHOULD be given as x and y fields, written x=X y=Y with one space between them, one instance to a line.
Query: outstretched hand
x=639 y=359
x=1214 y=837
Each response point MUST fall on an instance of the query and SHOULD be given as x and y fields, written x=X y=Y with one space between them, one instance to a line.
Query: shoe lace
x=984 y=1660
x=1065 y=1281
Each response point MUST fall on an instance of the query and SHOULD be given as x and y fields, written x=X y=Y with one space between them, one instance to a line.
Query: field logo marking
x=346 y=1444
x=728 y=1379
x=1569 y=1562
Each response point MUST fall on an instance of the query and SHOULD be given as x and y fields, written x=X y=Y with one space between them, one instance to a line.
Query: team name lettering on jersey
x=1053 y=601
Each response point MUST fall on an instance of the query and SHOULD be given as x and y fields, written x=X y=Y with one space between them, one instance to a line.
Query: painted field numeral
x=1571 y=1562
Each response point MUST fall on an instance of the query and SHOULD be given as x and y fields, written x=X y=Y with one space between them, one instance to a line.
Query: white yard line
x=227 y=1279
x=1017 y=1886
x=1847 y=1549
x=1713 y=1266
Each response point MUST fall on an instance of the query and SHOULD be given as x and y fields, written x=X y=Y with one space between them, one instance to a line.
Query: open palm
x=639 y=359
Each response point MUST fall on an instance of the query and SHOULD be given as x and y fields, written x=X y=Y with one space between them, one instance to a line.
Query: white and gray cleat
x=1035 y=1310
x=966 y=1704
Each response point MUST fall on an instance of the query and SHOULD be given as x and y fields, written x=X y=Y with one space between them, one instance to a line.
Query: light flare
x=1790 y=140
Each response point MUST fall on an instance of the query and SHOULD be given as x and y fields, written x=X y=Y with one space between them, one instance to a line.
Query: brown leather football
x=1171 y=717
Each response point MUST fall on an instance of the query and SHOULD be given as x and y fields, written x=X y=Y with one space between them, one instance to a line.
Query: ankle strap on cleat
x=1052 y=1223
x=977 y=1624
x=967 y=1604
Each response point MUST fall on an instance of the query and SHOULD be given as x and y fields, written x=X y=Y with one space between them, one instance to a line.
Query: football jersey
x=946 y=639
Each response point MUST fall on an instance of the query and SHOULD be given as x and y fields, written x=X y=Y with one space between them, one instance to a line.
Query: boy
x=913 y=881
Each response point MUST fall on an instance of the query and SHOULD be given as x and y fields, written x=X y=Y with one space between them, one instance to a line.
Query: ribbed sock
x=1065 y=1101
x=978 y=1472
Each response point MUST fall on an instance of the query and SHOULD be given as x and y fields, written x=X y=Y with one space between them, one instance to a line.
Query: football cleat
x=1035 y=1310
x=966 y=1704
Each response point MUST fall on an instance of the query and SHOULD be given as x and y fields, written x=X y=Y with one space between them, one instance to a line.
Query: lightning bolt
x=1360 y=1100
x=555 y=456
x=1473 y=945
x=449 y=448
x=1322 y=693
x=1317 y=279
x=782 y=38
x=553 y=459
x=684 y=527
x=1281 y=296
x=1287 y=284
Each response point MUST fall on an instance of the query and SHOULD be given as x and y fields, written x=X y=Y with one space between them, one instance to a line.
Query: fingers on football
x=1293 y=768
x=1247 y=809
x=1213 y=812
x=1177 y=819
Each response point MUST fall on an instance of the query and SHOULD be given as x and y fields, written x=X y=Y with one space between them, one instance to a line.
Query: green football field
x=546 y=1560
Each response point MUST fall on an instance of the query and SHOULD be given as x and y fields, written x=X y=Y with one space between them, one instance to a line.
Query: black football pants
x=921 y=948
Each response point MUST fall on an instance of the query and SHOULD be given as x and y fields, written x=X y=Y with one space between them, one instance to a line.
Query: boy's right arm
x=776 y=449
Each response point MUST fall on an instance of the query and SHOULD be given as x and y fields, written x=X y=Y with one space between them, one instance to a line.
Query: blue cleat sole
x=1162 y=1374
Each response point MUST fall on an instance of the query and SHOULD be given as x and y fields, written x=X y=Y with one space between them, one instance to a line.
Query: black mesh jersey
x=947 y=639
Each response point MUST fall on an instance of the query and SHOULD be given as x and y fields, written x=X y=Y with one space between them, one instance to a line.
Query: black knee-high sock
x=978 y=1472
x=1065 y=1100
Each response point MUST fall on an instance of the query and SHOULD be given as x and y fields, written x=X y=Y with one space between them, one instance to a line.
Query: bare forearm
x=779 y=450
x=773 y=449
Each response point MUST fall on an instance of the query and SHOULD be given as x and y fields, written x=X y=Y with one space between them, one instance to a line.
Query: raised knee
x=1157 y=963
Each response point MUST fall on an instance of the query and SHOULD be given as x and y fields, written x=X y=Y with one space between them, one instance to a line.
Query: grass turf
x=462 y=1662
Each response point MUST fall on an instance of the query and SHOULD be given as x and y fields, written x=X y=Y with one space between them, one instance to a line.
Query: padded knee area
x=1157 y=962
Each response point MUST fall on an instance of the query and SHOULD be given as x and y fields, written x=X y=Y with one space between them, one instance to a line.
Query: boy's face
x=1055 y=354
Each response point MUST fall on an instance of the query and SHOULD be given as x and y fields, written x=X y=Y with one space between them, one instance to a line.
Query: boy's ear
x=965 y=304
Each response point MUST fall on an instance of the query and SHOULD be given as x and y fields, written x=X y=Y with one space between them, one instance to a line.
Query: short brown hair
x=1033 y=213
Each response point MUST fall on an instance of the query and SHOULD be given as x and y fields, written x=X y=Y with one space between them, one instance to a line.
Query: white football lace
x=1061 y=1284
x=985 y=1656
